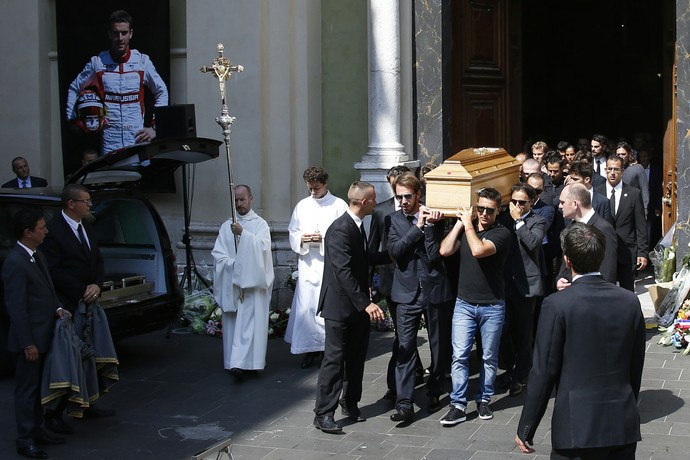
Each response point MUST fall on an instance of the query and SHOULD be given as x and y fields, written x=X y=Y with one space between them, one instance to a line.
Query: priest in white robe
x=310 y=219
x=242 y=285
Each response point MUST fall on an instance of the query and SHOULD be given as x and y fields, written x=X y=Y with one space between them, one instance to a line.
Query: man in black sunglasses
x=483 y=245
x=524 y=284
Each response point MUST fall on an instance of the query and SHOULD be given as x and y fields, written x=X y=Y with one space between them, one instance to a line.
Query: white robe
x=305 y=331
x=242 y=287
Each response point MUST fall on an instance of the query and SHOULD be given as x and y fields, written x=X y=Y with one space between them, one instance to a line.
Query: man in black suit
x=32 y=306
x=595 y=414
x=346 y=306
x=524 y=284
x=378 y=239
x=576 y=205
x=24 y=180
x=76 y=267
x=581 y=172
x=420 y=284
x=627 y=213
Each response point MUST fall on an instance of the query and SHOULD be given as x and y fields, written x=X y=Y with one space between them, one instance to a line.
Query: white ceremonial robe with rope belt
x=242 y=285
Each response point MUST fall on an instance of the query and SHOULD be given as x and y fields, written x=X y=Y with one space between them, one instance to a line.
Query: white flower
x=287 y=312
x=273 y=317
x=270 y=331
x=295 y=275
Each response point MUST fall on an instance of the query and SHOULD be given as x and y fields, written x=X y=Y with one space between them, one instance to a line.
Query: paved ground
x=174 y=400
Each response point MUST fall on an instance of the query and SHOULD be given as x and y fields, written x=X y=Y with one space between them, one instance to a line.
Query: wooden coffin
x=454 y=184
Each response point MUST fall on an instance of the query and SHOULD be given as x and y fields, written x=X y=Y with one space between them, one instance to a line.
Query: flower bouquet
x=203 y=313
x=277 y=322
x=678 y=334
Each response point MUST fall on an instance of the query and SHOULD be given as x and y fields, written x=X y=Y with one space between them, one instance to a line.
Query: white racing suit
x=122 y=86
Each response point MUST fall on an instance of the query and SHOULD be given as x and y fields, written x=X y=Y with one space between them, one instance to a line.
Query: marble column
x=385 y=148
x=683 y=126
x=431 y=70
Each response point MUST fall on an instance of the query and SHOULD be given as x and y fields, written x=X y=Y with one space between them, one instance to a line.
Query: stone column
x=385 y=149
x=431 y=72
x=683 y=127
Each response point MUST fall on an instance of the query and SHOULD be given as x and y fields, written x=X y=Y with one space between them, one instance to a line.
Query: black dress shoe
x=237 y=374
x=326 y=424
x=308 y=359
x=433 y=404
x=31 y=451
x=403 y=415
x=353 y=413
x=58 y=425
x=44 y=439
x=96 y=412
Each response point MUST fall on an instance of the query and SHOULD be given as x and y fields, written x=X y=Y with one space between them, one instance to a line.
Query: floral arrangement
x=203 y=313
x=678 y=334
x=277 y=322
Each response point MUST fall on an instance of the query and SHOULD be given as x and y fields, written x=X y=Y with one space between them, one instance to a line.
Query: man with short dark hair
x=595 y=414
x=32 y=306
x=119 y=76
x=77 y=270
x=581 y=172
x=628 y=216
x=524 y=285
x=24 y=178
x=308 y=224
x=483 y=245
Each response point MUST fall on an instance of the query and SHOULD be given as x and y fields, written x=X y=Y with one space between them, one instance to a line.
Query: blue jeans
x=467 y=318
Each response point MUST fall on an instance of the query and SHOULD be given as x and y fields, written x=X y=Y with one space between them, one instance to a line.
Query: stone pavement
x=174 y=400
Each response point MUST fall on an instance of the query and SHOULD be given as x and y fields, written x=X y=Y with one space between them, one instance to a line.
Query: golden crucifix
x=222 y=69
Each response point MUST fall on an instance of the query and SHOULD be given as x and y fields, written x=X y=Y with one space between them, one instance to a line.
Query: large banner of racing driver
x=107 y=76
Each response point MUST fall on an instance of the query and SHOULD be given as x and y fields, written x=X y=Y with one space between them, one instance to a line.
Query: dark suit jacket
x=418 y=263
x=345 y=284
x=378 y=240
x=35 y=182
x=630 y=224
x=30 y=299
x=598 y=180
x=525 y=259
x=609 y=267
x=596 y=392
x=601 y=205
x=70 y=267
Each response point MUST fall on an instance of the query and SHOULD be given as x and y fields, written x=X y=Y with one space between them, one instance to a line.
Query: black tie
x=410 y=219
x=23 y=184
x=82 y=238
x=364 y=235
x=612 y=200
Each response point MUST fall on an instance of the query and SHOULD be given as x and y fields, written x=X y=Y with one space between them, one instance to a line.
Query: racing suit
x=121 y=83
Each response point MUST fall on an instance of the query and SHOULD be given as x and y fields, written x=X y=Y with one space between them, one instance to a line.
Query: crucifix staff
x=222 y=69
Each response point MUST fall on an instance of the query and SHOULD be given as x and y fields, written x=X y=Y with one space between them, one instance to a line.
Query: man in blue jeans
x=483 y=245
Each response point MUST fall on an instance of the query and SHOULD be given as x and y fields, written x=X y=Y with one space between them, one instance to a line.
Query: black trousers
x=439 y=318
x=343 y=358
x=624 y=452
x=515 y=350
x=27 y=398
x=393 y=361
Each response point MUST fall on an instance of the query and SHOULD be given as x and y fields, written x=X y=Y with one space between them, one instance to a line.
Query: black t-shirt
x=481 y=279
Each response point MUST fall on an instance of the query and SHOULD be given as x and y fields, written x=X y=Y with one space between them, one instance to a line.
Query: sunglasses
x=482 y=209
x=407 y=196
x=539 y=190
x=519 y=202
